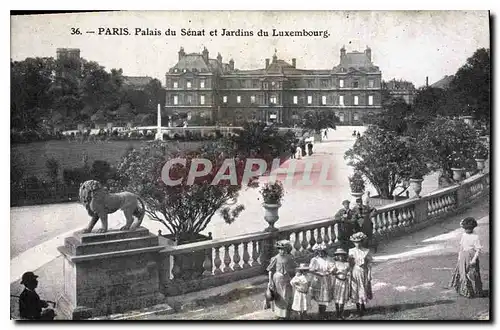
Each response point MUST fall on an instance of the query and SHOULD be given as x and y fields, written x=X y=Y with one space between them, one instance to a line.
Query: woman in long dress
x=360 y=259
x=321 y=284
x=281 y=271
x=466 y=279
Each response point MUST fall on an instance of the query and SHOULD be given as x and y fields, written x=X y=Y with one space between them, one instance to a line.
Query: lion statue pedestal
x=109 y=273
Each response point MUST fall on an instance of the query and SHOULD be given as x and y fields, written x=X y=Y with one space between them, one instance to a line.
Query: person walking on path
x=30 y=304
x=360 y=259
x=345 y=226
x=341 y=281
x=281 y=270
x=363 y=213
x=466 y=279
x=300 y=283
x=320 y=268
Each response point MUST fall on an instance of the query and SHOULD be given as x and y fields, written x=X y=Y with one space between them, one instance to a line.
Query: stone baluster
x=236 y=257
x=296 y=244
x=176 y=268
x=319 y=239
x=332 y=230
x=207 y=264
x=312 y=241
x=326 y=237
x=217 y=261
x=227 y=259
x=246 y=256
x=400 y=217
x=305 y=243
x=255 y=254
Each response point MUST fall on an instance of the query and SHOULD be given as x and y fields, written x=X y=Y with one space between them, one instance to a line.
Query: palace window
x=238 y=99
x=310 y=83
x=355 y=84
x=273 y=99
x=189 y=99
x=176 y=100
x=176 y=84
x=324 y=83
x=341 y=117
x=309 y=99
x=341 y=99
x=202 y=99
x=341 y=83
x=370 y=100
x=323 y=100
x=356 y=100
x=202 y=83
x=356 y=116
x=295 y=99
x=224 y=99
x=371 y=83
x=252 y=99
x=188 y=84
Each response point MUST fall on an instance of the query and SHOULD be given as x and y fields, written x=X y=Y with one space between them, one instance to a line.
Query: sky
x=409 y=45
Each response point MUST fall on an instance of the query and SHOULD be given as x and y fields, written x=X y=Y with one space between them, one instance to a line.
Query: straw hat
x=320 y=247
x=340 y=251
x=358 y=237
x=303 y=267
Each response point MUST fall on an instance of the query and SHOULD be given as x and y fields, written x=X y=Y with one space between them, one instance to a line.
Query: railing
x=196 y=266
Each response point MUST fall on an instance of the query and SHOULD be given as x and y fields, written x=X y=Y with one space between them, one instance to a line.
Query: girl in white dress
x=466 y=279
x=360 y=259
x=300 y=284
x=341 y=281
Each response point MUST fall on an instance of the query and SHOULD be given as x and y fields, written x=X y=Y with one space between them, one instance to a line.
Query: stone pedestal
x=109 y=273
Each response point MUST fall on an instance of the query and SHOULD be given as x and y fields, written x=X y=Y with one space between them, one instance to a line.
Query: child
x=30 y=304
x=466 y=279
x=341 y=281
x=361 y=260
x=300 y=284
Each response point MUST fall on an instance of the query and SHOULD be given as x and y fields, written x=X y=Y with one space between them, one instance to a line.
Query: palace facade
x=200 y=86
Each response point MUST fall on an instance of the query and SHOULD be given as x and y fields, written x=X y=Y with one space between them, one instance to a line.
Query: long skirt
x=321 y=289
x=361 y=287
x=341 y=290
x=301 y=302
x=284 y=295
x=466 y=279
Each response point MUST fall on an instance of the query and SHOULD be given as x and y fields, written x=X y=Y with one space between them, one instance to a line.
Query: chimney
x=267 y=63
x=231 y=64
x=181 y=53
x=205 y=55
x=219 y=58
x=426 y=81
x=368 y=53
x=294 y=62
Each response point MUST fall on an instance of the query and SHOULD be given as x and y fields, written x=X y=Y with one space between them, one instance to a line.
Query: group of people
x=338 y=279
x=301 y=149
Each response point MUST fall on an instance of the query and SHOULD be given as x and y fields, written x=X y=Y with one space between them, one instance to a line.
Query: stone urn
x=458 y=173
x=416 y=185
x=357 y=194
x=271 y=215
x=480 y=164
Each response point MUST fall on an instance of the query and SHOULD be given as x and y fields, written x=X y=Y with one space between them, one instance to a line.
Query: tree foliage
x=317 y=120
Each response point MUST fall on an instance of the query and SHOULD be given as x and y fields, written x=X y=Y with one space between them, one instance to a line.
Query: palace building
x=200 y=86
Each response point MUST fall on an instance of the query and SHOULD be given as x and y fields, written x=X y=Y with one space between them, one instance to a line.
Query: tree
x=471 y=86
x=393 y=117
x=185 y=209
x=449 y=143
x=384 y=159
x=318 y=120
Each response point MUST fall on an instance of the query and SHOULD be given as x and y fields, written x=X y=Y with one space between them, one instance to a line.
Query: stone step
x=110 y=235
x=77 y=248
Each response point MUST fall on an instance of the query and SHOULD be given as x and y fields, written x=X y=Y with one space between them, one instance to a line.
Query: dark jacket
x=30 y=305
x=346 y=226
x=363 y=216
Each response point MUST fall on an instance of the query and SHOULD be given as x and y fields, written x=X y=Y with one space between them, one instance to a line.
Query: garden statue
x=99 y=203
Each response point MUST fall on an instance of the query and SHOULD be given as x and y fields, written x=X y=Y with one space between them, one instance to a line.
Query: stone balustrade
x=220 y=261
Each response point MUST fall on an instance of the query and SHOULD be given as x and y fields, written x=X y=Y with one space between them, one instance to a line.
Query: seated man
x=345 y=226
x=363 y=213
x=30 y=304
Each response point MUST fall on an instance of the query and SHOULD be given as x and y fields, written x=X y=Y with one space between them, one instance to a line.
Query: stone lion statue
x=99 y=203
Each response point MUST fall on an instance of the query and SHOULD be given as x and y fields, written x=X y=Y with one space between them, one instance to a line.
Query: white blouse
x=469 y=242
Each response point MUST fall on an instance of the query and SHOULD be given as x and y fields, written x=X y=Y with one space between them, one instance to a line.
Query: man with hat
x=362 y=214
x=30 y=304
x=345 y=225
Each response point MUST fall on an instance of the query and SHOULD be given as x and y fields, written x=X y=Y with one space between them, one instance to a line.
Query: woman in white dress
x=466 y=279
x=360 y=259
x=341 y=281
x=281 y=270
x=321 y=285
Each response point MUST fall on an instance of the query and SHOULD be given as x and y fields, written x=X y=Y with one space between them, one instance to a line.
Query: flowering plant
x=357 y=182
x=457 y=159
x=272 y=193
x=481 y=151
